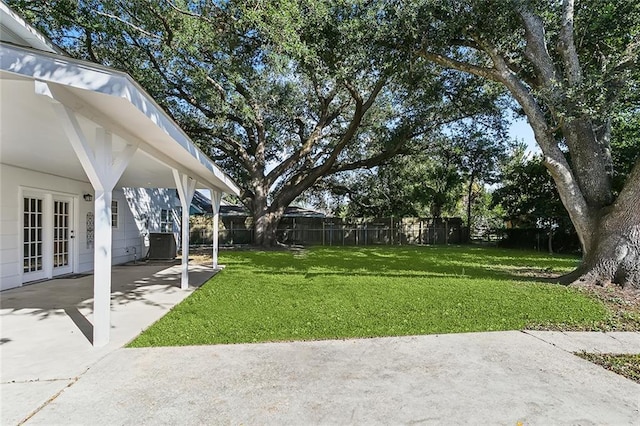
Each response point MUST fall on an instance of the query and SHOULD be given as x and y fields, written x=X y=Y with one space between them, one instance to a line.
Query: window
x=114 y=214
x=166 y=221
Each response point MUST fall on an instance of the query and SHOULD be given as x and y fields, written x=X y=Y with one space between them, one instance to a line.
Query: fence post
x=446 y=232
x=366 y=233
x=356 y=234
x=391 y=230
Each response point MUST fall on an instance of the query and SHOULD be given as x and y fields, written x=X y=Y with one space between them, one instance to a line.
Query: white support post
x=216 y=196
x=103 y=168
x=102 y=268
x=186 y=188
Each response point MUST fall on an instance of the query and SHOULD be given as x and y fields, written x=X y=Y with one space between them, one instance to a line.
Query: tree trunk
x=265 y=227
x=436 y=209
x=614 y=256
x=265 y=224
x=469 y=202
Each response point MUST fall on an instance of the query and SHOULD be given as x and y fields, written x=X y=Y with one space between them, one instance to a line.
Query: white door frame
x=68 y=230
x=47 y=238
x=41 y=273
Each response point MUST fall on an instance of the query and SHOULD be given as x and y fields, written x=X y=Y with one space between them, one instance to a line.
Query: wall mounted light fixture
x=88 y=197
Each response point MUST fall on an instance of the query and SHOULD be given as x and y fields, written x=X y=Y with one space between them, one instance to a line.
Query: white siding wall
x=146 y=204
x=128 y=237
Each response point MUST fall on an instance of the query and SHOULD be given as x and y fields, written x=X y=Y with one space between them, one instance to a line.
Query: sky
x=521 y=130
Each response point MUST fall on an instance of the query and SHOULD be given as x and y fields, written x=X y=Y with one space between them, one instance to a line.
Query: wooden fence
x=336 y=231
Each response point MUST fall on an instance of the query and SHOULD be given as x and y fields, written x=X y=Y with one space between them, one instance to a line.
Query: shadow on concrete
x=81 y=322
x=143 y=283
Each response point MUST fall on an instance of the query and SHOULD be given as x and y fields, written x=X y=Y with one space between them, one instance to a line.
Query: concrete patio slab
x=46 y=327
x=478 y=378
x=30 y=394
x=582 y=341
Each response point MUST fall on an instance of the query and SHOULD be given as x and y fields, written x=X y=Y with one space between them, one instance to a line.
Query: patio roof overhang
x=82 y=121
x=100 y=97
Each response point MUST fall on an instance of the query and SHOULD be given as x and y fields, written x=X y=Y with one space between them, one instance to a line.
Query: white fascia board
x=92 y=77
x=25 y=32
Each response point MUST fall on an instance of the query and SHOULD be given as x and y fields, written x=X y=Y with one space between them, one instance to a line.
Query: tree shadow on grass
x=414 y=262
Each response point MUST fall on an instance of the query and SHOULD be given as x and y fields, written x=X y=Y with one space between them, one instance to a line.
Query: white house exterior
x=79 y=143
x=51 y=233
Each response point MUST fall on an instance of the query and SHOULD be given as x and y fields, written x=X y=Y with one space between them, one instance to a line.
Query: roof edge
x=174 y=130
x=31 y=35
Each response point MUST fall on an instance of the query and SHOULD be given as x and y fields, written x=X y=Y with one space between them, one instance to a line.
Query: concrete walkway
x=477 y=378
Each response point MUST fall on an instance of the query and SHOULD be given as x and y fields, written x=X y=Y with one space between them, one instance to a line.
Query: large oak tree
x=572 y=67
x=282 y=93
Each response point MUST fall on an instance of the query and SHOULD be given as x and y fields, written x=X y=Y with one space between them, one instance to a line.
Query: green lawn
x=340 y=292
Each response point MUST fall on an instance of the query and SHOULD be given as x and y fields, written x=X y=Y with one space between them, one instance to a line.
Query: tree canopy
x=282 y=93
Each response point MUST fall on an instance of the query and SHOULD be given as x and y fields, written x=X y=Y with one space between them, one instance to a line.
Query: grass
x=344 y=292
x=625 y=365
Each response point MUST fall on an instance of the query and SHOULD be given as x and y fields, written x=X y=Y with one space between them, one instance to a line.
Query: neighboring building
x=236 y=223
x=202 y=205
x=79 y=144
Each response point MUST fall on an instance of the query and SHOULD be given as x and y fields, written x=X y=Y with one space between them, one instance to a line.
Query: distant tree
x=409 y=185
x=487 y=218
x=442 y=185
x=436 y=175
x=529 y=198
x=481 y=153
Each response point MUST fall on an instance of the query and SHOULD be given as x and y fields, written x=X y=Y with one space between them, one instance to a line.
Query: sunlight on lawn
x=342 y=292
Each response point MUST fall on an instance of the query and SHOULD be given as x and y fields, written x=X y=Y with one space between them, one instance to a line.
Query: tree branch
x=129 y=24
x=237 y=151
x=566 y=45
x=447 y=62
x=306 y=178
x=630 y=56
x=197 y=15
x=536 y=50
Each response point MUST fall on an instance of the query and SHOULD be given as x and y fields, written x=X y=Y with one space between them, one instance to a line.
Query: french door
x=33 y=237
x=47 y=222
x=62 y=234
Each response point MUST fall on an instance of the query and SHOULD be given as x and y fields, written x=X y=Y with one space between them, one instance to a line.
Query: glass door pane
x=32 y=234
x=60 y=233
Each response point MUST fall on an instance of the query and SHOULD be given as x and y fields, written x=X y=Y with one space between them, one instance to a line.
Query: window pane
x=114 y=214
